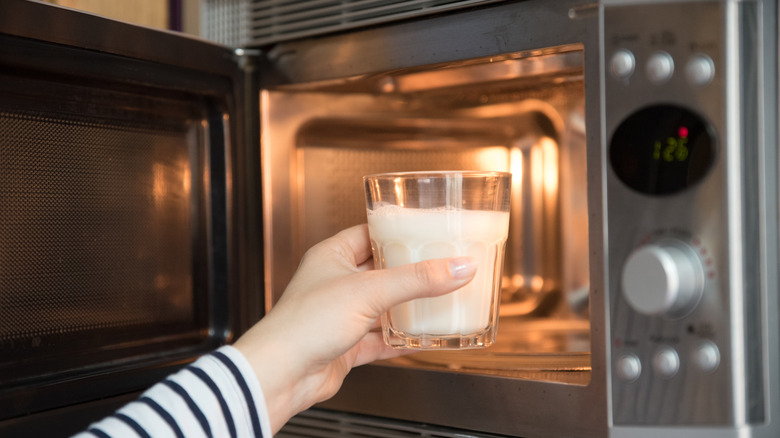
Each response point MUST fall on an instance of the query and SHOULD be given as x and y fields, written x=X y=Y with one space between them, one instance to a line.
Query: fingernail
x=462 y=267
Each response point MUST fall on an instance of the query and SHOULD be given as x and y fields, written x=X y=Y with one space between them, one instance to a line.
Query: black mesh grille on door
x=102 y=226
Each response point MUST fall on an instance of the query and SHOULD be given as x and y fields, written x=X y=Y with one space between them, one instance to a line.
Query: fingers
x=367 y=265
x=372 y=348
x=357 y=240
x=387 y=287
x=352 y=244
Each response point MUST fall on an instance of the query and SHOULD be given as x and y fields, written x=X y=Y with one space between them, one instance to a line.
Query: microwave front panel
x=682 y=139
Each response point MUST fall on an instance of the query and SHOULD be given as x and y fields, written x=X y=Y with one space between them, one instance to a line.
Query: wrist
x=281 y=381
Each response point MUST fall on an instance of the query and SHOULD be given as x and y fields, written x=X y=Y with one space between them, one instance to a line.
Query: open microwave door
x=122 y=253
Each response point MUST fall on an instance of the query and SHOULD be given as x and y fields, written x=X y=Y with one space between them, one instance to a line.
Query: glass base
x=397 y=339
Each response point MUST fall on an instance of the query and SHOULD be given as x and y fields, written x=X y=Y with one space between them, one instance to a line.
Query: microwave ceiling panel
x=255 y=23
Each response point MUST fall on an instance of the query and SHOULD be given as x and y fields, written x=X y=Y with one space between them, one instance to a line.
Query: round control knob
x=663 y=278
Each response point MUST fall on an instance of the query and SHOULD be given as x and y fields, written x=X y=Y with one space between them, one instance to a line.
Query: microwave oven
x=159 y=191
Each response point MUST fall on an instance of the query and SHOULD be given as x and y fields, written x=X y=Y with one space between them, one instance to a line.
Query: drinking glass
x=415 y=216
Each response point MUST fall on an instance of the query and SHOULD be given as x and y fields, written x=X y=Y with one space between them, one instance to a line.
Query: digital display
x=662 y=149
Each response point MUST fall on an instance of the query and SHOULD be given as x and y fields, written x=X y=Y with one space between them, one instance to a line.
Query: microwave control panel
x=674 y=162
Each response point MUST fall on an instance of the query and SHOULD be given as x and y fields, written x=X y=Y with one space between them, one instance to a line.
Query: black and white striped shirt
x=216 y=396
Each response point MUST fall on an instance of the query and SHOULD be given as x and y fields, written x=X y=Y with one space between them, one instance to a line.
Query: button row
x=666 y=362
x=659 y=68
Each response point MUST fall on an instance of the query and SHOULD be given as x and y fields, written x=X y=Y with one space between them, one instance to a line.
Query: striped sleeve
x=216 y=396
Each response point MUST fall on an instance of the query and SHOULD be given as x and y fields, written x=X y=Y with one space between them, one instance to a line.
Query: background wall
x=151 y=13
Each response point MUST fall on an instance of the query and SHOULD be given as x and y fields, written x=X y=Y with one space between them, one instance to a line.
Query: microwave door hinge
x=243 y=56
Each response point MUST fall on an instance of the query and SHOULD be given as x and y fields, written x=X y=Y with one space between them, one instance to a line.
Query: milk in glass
x=406 y=235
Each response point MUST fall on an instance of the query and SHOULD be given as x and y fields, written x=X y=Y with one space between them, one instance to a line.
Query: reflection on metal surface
x=539 y=349
x=497 y=69
x=531 y=281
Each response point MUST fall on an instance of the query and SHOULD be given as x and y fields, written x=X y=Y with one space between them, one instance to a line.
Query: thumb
x=429 y=278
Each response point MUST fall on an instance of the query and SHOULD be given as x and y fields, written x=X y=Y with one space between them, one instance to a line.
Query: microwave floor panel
x=544 y=349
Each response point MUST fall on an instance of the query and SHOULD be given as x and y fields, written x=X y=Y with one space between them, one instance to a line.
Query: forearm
x=218 y=395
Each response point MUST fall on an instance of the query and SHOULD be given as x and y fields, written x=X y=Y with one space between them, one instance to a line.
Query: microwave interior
x=522 y=113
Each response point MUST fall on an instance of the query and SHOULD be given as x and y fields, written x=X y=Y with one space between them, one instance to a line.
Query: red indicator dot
x=682 y=132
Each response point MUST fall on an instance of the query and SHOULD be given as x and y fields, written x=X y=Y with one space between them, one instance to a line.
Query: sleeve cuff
x=252 y=385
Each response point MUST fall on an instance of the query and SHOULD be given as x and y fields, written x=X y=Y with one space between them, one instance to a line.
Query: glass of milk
x=415 y=216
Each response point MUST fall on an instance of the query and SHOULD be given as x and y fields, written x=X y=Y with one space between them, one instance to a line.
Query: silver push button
x=700 y=70
x=706 y=357
x=660 y=67
x=629 y=368
x=622 y=64
x=666 y=362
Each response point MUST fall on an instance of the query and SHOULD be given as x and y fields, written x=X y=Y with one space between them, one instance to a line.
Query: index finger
x=356 y=245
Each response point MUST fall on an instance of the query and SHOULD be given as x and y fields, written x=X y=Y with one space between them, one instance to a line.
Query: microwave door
x=127 y=235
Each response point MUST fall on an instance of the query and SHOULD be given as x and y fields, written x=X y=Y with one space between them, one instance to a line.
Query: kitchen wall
x=151 y=13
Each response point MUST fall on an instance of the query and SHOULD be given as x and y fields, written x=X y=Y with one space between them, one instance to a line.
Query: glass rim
x=438 y=174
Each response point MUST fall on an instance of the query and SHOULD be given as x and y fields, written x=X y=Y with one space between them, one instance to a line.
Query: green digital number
x=676 y=149
x=681 y=153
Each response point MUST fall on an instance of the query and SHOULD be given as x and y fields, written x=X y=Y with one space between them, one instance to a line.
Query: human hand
x=322 y=326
